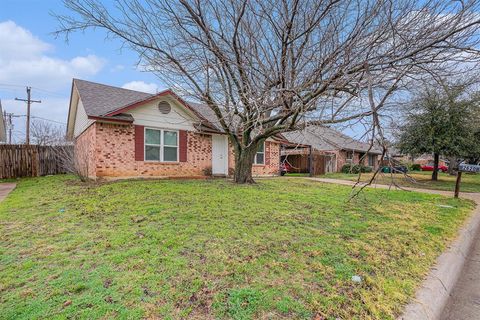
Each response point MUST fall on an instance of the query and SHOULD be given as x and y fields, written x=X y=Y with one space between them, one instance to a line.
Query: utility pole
x=9 y=124
x=29 y=101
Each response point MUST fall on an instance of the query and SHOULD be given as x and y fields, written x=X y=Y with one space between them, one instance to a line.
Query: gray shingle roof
x=211 y=117
x=100 y=99
x=327 y=139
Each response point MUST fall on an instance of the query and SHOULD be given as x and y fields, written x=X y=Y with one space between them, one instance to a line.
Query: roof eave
x=109 y=119
x=67 y=133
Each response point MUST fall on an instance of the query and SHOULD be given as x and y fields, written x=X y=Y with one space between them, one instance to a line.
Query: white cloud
x=26 y=60
x=141 y=86
x=19 y=43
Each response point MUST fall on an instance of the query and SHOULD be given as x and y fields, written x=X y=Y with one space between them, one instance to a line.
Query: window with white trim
x=371 y=160
x=161 y=145
x=349 y=157
x=260 y=155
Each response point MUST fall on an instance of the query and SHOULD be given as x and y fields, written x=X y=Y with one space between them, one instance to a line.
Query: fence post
x=457 y=184
x=18 y=161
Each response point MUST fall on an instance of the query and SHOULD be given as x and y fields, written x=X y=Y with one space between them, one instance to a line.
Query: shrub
x=367 y=169
x=347 y=168
x=207 y=171
x=356 y=168
x=415 y=167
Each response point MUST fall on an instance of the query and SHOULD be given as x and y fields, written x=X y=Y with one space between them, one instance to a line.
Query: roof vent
x=164 y=107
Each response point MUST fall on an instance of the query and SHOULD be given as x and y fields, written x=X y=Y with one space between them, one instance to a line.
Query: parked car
x=285 y=168
x=430 y=168
x=395 y=169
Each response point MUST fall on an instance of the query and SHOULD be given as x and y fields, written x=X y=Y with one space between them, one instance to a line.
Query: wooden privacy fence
x=32 y=161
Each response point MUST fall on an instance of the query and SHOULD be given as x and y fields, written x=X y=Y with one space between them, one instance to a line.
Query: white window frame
x=255 y=160
x=371 y=158
x=349 y=159
x=161 y=145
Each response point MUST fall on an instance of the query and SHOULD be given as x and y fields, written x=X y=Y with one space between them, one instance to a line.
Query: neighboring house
x=426 y=159
x=3 y=126
x=395 y=156
x=338 y=148
x=126 y=133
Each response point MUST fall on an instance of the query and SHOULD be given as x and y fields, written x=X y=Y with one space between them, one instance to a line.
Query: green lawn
x=283 y=248
x=417 y=179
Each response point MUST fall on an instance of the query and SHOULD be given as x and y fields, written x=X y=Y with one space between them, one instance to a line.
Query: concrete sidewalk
x=5 y=189
x=452 y=289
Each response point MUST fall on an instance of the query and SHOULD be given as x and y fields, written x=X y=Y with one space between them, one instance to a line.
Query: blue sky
x=31 y=55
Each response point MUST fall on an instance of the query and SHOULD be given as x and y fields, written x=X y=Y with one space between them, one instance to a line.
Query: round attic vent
x=164 y=107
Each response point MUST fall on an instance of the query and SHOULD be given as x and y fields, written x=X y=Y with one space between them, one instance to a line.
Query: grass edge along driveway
x=415 y=179
x=283 y=248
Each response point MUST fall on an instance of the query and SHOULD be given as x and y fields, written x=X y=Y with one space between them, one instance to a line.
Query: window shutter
x=182 y=141
x=139 y=143
x=267 y=153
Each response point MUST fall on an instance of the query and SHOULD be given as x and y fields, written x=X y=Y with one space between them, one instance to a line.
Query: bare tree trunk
x=452 y=165
x=436 y=158
x=243 y=165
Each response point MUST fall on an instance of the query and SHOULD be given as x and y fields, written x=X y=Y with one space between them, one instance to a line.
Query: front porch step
x=219 y=175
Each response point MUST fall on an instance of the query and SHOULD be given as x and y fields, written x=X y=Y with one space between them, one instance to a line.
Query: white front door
x=219 y=154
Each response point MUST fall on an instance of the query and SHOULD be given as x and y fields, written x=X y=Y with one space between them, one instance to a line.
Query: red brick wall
x=115 y=155
x=112 y=154
x=342 y=159
x=85 y=152
x=271 y=169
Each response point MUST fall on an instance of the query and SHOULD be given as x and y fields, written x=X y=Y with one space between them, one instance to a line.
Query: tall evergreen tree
x=440 y=121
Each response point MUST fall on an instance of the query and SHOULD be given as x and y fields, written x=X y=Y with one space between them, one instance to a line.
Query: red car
x=284 y=168
x=430 y=168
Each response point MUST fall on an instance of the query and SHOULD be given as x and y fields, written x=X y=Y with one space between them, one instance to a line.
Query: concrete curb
x=431 y=298
x=434 y=293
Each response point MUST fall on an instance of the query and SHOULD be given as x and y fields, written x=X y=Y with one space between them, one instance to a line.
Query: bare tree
x=269 y=66
x=44 y=133
x=75 y=159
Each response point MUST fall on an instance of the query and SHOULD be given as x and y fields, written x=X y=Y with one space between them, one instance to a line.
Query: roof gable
x=100 y=99
x=111 y=103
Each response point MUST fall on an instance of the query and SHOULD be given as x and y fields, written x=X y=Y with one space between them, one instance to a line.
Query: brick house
x=338 y=149
x=125 y=133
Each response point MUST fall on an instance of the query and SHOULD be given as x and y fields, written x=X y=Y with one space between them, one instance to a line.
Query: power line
x=36 y=88
x=62 y=123
x=11 y=85
x=37 y=117
x=50 y=92
x=9 y=125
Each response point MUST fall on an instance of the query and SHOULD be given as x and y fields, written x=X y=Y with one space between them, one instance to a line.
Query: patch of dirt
x=107 y=283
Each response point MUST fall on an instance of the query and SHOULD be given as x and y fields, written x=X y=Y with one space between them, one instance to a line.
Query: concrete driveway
x=5 y=189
